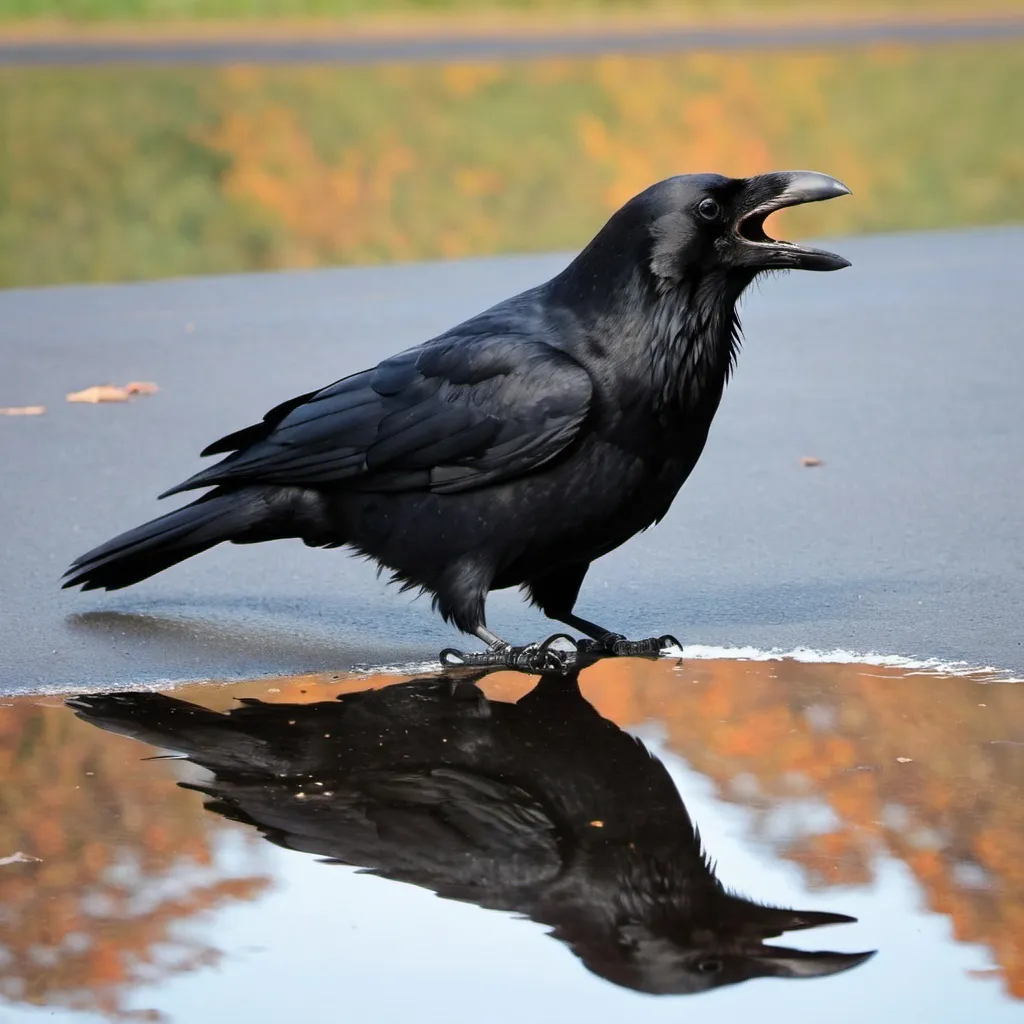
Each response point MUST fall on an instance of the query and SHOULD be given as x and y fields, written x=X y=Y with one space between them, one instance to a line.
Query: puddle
x=557 y=824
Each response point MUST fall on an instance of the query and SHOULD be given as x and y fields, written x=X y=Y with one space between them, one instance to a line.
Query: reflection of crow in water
x=542 y=808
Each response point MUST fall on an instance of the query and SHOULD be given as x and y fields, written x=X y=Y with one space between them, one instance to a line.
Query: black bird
x=540 y=808
x=519 y=446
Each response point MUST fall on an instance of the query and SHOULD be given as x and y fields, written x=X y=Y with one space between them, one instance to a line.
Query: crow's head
x=704 y=222
x=697 y=240
x=683 y=955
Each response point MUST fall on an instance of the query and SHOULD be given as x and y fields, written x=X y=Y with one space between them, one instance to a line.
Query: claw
x=451 y=657
x=532 y=658
x=546 y=645
x=544 y=657
x=617 y=644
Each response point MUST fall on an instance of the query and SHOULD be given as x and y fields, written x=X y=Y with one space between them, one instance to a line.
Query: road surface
x=496 y=46
x=903 y=374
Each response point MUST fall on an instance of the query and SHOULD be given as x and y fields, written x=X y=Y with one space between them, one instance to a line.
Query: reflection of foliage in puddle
x=125 y=862
x=836 y=763
x=921 y=766
x=116 y=173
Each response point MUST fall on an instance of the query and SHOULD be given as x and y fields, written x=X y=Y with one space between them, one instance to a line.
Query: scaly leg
x=556 y=594
x=500 y=653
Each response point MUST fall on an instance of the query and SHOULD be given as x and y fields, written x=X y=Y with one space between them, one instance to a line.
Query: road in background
x=493 y=46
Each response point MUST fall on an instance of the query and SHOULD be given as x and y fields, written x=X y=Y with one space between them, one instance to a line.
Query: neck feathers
x=677 y=340
x=695 y=342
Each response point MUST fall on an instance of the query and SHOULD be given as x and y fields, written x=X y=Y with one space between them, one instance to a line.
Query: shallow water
x=887 y=794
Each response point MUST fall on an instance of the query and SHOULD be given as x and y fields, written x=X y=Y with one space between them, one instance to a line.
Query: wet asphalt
x=902 y=374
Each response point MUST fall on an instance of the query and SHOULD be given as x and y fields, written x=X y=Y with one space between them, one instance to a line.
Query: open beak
x=764 y=195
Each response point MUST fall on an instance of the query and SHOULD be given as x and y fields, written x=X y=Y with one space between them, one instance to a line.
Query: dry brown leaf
x=100 y=393
x=22 y=410
x=810 y=460
x=19 y=858
x=113 y=392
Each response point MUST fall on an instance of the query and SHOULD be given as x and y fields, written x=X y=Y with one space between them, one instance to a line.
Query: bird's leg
x=500 y=653
x=604 y=641
x=556 y=594
x=491 y=638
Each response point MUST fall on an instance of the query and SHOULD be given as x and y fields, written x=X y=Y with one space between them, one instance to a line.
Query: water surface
x=889 y=796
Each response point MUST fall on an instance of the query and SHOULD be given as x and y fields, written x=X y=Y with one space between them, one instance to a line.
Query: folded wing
x=452 y=415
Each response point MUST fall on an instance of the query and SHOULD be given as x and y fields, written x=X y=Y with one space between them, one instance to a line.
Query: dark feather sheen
x=522 y=444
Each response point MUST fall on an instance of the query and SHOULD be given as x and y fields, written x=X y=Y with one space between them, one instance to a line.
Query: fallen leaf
x=19 y=858
x=597 y=824
x=904 y=760
x=113 y=392
x=810 y=460
x=22 y=410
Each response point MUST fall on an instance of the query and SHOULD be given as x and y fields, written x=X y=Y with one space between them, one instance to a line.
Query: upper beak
x=766 y=193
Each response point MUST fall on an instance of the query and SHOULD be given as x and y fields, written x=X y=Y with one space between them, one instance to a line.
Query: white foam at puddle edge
x=839 y=656
x=689 y=652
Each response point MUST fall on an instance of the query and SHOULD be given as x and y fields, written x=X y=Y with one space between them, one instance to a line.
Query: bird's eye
x=709 y=966
x=709 y=209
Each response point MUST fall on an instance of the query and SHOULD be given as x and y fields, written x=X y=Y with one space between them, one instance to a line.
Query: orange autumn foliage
x=950 y=809
x=922 y=768
x=124 y=865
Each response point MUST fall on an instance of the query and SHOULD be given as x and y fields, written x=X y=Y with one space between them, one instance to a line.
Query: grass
x=122 y=173
x=183 y=10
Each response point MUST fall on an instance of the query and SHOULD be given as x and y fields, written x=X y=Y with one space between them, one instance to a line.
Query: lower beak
x=797 y=963
x=767 y=193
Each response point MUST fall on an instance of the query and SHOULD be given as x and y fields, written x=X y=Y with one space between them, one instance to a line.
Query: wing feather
x=454 y=414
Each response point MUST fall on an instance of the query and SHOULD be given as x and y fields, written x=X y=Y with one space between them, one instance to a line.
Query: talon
x=634 y=647
x=542 y=657
x=547 y=644
x=533 y=658
x=451 y=658
x=617 y=644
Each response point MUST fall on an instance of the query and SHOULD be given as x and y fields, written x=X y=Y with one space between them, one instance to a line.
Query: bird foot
x=542 y=657
x=617 y=644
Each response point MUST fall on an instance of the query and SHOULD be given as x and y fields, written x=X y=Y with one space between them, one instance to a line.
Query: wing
x=452 y=830
x=452 y=415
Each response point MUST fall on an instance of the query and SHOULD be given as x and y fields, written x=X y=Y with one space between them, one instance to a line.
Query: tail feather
x=148 y=549
x=150 y=717
x=208 y=737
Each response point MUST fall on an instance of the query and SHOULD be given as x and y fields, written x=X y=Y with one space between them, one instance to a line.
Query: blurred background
x=150 y=138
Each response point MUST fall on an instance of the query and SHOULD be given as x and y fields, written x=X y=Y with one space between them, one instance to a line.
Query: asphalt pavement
x=902 y=374
x=500 y=45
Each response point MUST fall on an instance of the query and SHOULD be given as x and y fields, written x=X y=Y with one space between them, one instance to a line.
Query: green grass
x=156 y=10
x=131 y=173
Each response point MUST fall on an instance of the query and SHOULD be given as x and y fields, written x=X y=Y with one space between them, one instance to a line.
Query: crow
x=521 y=445
x=540 y=808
